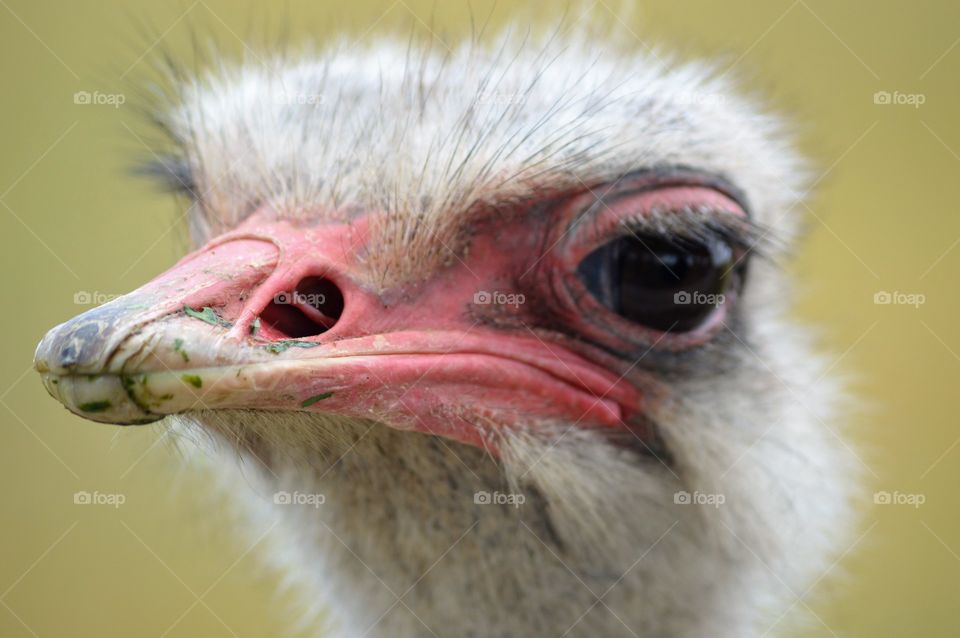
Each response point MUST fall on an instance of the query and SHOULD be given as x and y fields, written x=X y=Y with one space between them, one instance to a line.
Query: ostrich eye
x=665 y=284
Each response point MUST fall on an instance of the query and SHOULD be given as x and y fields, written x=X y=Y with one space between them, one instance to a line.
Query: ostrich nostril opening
x=311 y=308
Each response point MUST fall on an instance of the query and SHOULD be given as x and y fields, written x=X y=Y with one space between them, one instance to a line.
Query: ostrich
x=496 y=336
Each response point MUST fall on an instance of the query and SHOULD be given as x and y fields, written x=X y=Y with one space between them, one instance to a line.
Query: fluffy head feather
x=427 y=138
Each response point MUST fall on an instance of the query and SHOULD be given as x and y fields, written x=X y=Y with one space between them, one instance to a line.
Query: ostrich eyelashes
x=663 y=283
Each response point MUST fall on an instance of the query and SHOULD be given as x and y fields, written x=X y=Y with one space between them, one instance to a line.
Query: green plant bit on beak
x=138 y=390
x=319 y=397
x=95 y=406
x=193 y=380
x=255 y=326
x=281 y=346
x=130 y=387
x=178 y=347
x=207 y=315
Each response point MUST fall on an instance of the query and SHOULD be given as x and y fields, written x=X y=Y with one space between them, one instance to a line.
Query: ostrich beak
x=214 y=332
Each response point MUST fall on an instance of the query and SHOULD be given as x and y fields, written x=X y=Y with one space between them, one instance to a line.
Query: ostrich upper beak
x=234 y=325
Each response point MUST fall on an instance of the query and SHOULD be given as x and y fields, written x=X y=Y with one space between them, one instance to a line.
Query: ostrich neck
x=386 y=537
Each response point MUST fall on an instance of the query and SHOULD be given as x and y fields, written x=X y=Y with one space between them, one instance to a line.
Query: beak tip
x=81 y=343
x=97 y=398
x=55 y=353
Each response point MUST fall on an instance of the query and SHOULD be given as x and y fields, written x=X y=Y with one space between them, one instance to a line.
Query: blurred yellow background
x=76 y=228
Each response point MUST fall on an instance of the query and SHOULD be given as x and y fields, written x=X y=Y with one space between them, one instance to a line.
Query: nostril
x=322 y=298
x=311 y=308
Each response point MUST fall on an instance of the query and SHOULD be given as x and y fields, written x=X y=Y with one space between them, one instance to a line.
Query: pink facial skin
x=432 y=356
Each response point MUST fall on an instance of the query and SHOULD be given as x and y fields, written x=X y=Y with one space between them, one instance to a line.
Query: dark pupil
x=665 y=284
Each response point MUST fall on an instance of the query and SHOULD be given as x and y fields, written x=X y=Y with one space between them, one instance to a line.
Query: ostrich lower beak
x=206 y=335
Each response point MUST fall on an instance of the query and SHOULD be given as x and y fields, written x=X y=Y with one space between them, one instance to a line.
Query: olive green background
x=166 y=562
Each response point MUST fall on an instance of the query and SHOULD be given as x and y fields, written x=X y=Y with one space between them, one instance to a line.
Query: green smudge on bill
x=193 y=380
x=178 y=347
x=95 y=406
x=207 y=315
x=138 y=390
x=130 y=387
x=281 y=346
x=317 y=397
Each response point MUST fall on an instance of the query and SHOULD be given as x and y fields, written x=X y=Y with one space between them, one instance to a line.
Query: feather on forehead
x=420 y=140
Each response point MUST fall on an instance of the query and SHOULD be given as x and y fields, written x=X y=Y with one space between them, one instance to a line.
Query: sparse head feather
x=424 y=138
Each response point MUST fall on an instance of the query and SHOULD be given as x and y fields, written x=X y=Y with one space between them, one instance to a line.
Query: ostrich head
x=512 y=316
